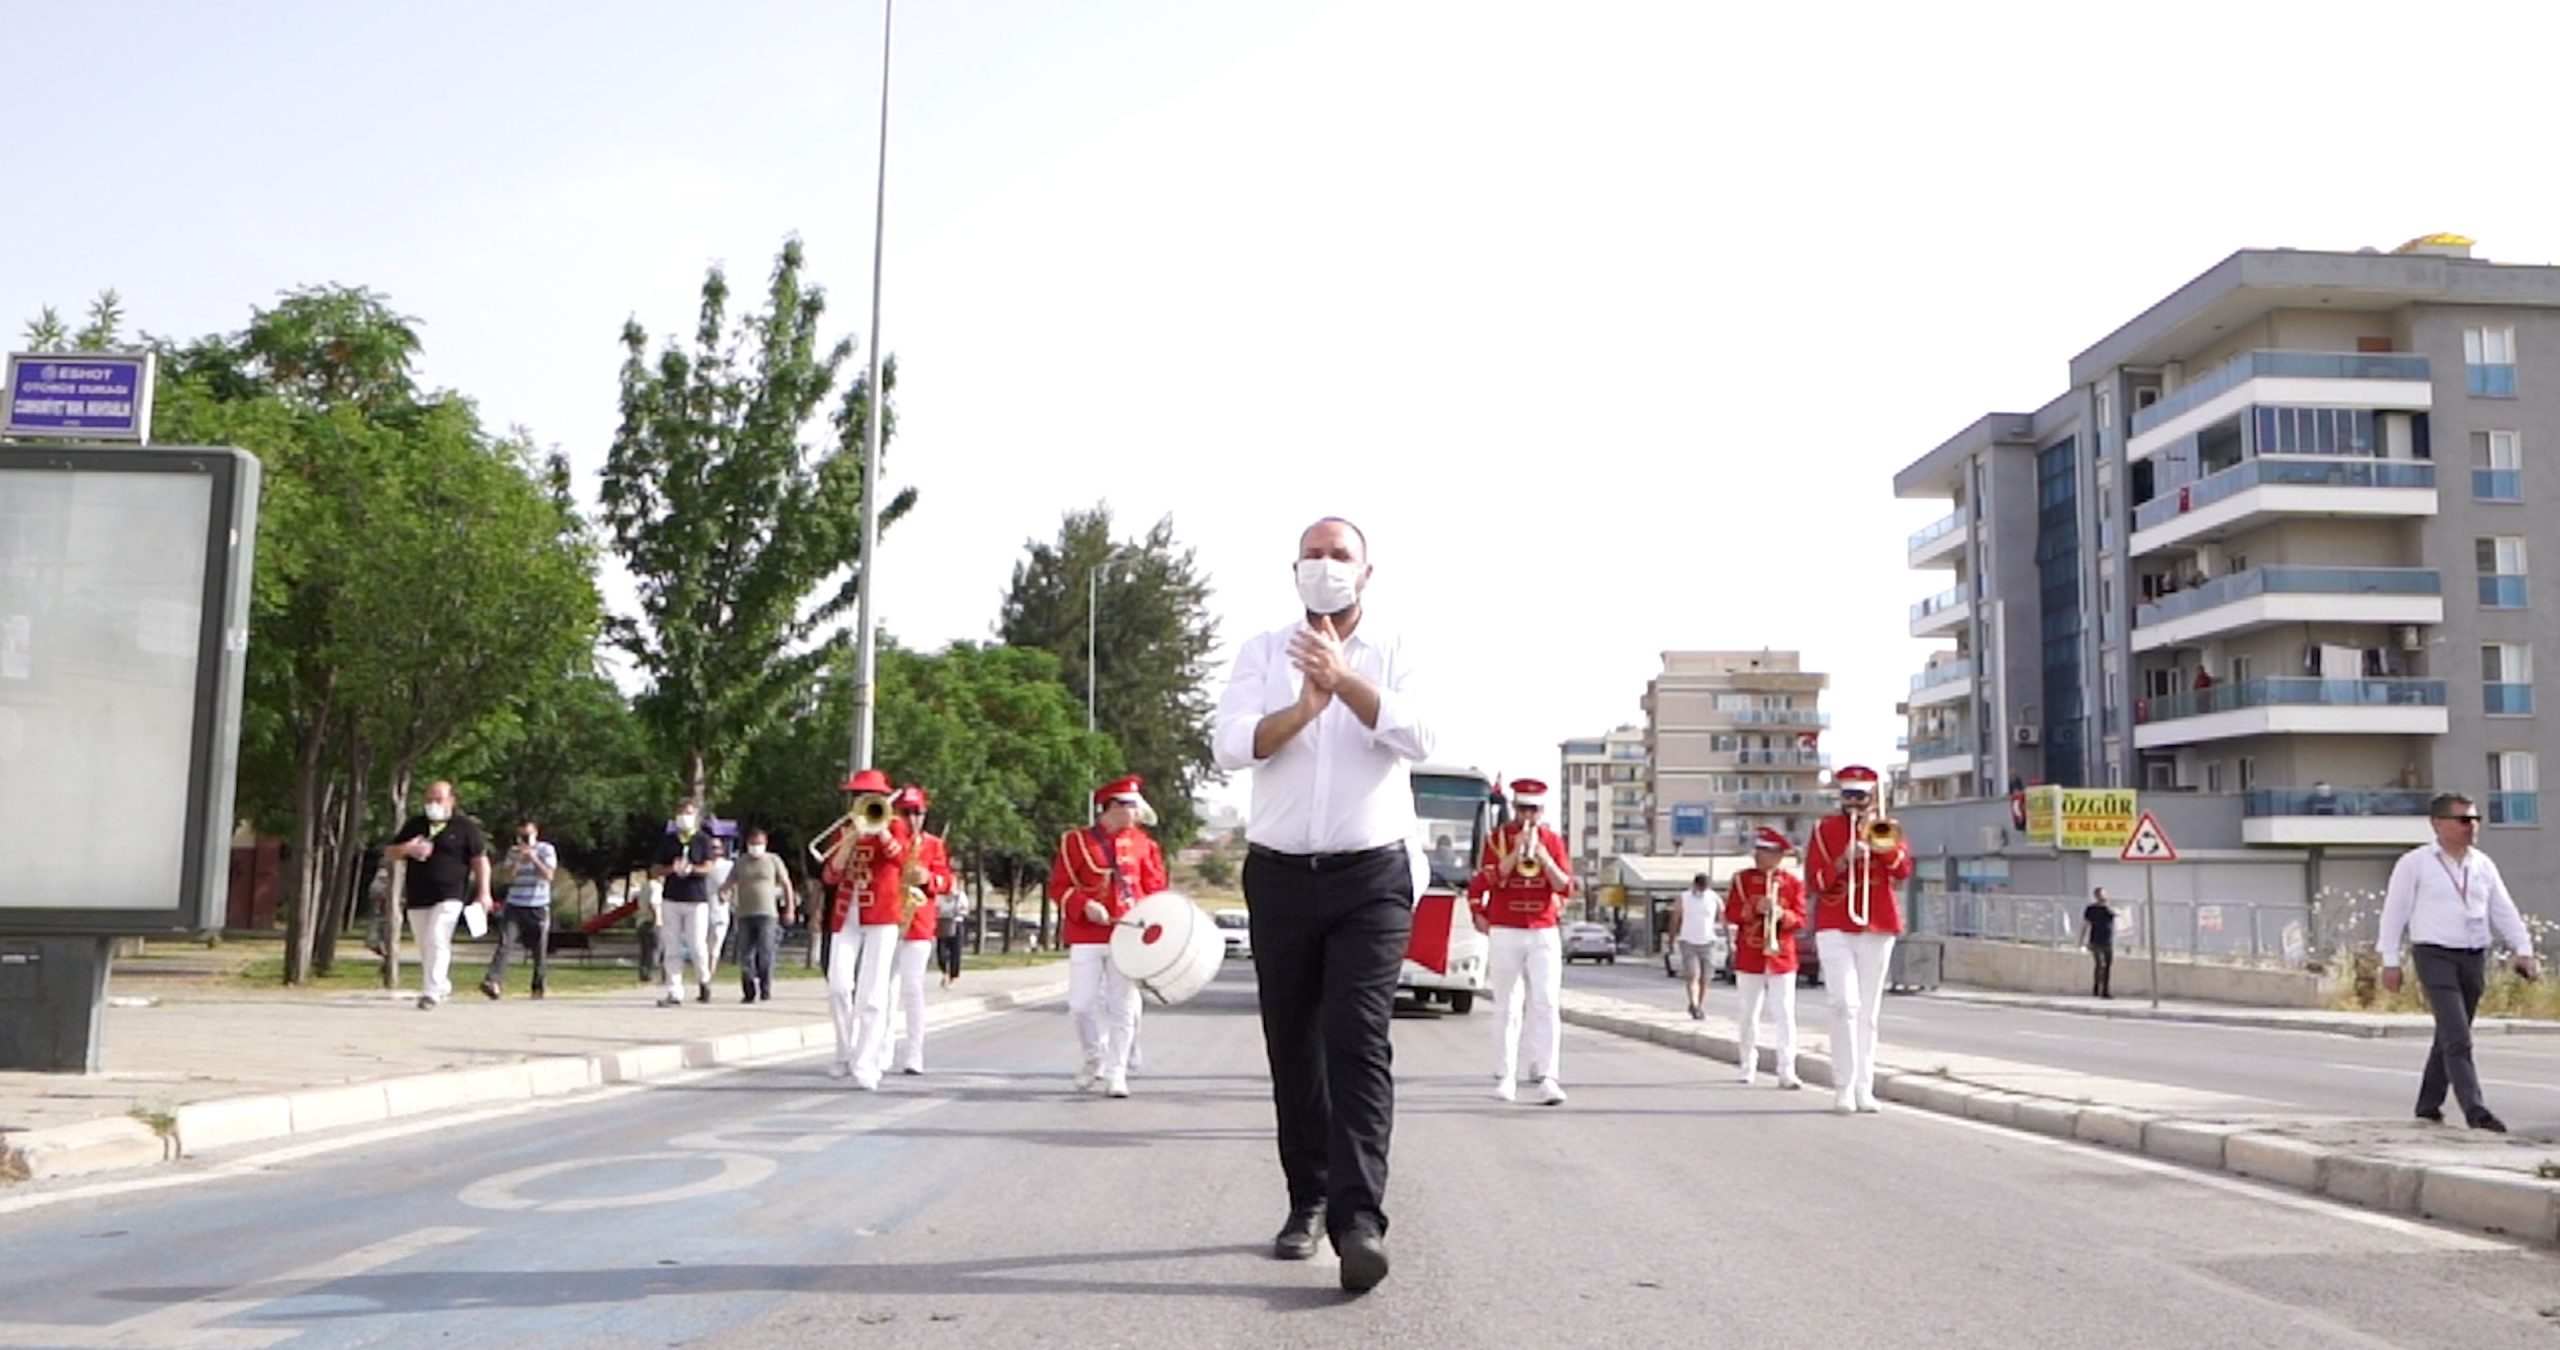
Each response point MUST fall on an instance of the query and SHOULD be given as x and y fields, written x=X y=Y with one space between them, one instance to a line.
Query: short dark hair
x=1698 y=880
x=2443 y=803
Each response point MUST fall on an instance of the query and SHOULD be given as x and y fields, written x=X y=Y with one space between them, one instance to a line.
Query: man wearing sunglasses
x=2447 y=898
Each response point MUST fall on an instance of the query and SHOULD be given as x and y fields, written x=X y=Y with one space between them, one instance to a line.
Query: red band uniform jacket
x=938 y=882
x=1508 y=900
x=1827 y=868
x=1117 y=869
x=874 y=878
x=1745 y=902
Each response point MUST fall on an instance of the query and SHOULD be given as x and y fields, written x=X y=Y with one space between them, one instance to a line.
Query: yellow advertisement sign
x=2098 y=818
x=2043 y=807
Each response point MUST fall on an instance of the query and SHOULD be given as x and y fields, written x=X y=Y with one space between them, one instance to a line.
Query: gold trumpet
x=1525 y=861
x=1769 y=912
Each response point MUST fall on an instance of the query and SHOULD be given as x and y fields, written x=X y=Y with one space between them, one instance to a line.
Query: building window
x=2501 y=563
x=2213 y=775
x=2506 y=679
x=2314 y=431
x=2512 y=799
x=2497 y=466
x=2489 y=361
x=2248 y=767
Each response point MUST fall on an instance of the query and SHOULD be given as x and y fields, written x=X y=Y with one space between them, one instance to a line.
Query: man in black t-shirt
x=684 y=911
x=447 y=867
x=2101 y=920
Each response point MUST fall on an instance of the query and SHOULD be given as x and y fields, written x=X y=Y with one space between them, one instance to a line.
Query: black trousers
x=1329 y=935
x=946 y=954
x=528 y=926
x=2452 y=978
x=2102 y=968
x=759 y=937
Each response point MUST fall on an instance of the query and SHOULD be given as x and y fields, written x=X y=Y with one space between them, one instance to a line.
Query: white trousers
x=684 y=934
x=906 y=996
x=1527 y=967
x=721 y=913
x=1779 y=991
x=1853 y=967
x=858 y=995
x=1104 y=1006
x=434 y=924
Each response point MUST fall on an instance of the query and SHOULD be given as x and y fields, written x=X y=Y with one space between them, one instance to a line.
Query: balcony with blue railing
x=2507 y=700
x=2513 y=808
x=1783 y=759
x=1941 y=747
x=2408 y=581
x=1774 y=801
x=2497 y=485
x=2502 y=591
x=1936 y=530
x=1947 y=606
x=1778 y=717
x=1938 y=541
x=2336 y=471
x=1945 y=672
x=2321 y=801
x=2248 y=366
x=2296 y=692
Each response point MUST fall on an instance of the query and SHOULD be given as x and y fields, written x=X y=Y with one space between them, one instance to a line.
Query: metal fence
x=2274 y=935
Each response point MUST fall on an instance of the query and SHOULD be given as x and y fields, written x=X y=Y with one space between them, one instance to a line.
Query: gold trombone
x=869 y=818
x=1877 y=833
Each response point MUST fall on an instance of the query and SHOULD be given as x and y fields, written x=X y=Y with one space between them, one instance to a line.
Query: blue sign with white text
x=1691 y=821
x=78 y=396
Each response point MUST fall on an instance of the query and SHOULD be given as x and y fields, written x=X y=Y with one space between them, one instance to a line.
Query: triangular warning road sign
x=2148 y=843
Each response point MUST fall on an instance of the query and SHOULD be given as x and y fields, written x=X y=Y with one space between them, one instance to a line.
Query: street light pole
x=866 y=657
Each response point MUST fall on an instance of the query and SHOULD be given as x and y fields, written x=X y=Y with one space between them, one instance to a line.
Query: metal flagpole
x=865 y=633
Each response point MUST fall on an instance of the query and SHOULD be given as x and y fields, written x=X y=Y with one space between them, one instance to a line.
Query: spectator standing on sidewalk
x=759 y=890
x=2100 y=919
x=527 y=921
x=684 y=926
x=723 y=862
x=950 y=915
x=2448 y=899
x=448 y=867
x=1693 y=920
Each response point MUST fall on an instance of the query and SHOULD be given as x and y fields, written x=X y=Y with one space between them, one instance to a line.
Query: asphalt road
x=987 y=1205
x=2294 y=1070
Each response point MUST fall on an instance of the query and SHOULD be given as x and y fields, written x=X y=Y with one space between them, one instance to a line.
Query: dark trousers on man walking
x=946 y=956
x=528 y=926
x=759 y=939
x=2102 y=969
x=1329 y=934
x=2452 y=978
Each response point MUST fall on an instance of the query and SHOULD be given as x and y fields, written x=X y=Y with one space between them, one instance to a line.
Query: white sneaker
x=1746 y=1078
x=1790 y=1083
x=1867 y=1104
x=868 y=1082
x=1550 y=1092
x=1844 y=1104
x=840 y=1069
x=1505 y=1089
x=1087 y=1076
x=1117 y=1085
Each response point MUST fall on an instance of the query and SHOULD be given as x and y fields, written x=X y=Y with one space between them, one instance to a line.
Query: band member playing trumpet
x=865 y=872
x=1518 y=895
x=1765 y=906
x=1101 y=871
x=924 y=880
x=1853 y=862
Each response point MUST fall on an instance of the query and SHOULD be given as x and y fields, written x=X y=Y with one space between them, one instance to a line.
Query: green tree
x=742 y=539
x=1152 y=638
x=103 y=331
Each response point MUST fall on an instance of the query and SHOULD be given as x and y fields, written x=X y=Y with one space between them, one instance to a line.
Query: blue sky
x=1618 y=315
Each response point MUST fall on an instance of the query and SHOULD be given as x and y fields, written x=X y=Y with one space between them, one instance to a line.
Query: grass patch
x=2548 y=1171
x=365 y=973
x=161 y=1122
x=2506 y=996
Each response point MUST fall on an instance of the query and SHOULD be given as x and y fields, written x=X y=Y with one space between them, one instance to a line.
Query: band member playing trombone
x=1853 y=862
x=866 y=854
x=925 y=879
x=1765 y=907
x=1518 y=895
x=1101 y=870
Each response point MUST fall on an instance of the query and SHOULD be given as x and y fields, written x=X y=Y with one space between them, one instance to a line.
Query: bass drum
x=1167 y=947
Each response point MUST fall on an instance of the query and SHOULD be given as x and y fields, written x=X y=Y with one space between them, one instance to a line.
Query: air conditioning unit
x=2407 y=636
x=2025 y=735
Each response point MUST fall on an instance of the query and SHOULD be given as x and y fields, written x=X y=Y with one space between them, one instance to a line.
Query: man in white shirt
x=1693 y=924
x=2447 y=898
x=1324 y=712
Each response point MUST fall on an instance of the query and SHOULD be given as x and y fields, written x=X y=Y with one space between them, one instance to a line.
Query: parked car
x=1589 y=942
x=1236 y=926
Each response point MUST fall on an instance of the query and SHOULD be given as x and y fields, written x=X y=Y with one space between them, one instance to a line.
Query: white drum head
x=1167 y=947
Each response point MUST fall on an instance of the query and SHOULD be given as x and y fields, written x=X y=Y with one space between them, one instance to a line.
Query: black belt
x=1323 y=862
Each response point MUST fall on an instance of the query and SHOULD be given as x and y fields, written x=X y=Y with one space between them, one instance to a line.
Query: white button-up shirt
x=1337 y=786
x=2438 y=900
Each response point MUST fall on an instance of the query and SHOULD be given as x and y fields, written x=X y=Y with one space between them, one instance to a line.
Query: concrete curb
x=2484 y=1199
x=115 y=1143
x=2255 y=1021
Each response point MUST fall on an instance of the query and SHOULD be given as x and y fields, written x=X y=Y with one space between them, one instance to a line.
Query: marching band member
x=1854 y=861
x=1101 y=871
x=926 y=879
x=1765 y=907
x=865 y=873
x=1518 y=896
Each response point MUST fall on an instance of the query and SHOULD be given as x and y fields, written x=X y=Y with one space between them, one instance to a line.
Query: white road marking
x=181 y=1326
x=2253 y=1190
x=737 y=1172
x=2517 y=1084
x=2061 y=1036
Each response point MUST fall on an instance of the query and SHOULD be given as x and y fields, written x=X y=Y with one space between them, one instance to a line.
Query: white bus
x=1446 y=959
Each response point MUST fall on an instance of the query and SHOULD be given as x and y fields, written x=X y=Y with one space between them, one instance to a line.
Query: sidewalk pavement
x=2507 y=1184
x=2335 y=1022
x=211 y=1063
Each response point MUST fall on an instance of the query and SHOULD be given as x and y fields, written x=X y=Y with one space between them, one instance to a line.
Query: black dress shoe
x=1297 y=1240
x=2433 y=1115
x=2486 y=1121
x=1364 y=1259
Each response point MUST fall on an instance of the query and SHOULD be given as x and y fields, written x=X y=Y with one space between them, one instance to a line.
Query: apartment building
x=1601 y=793
x=2273 y=542
x=1732 y=743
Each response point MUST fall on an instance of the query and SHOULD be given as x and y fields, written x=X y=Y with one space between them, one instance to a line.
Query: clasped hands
x=1316 y=651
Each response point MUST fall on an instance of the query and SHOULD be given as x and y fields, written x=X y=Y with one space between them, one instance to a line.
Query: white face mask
x=1328 y=585
x=684 y=823
x=439 y=812
x=755 y=850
